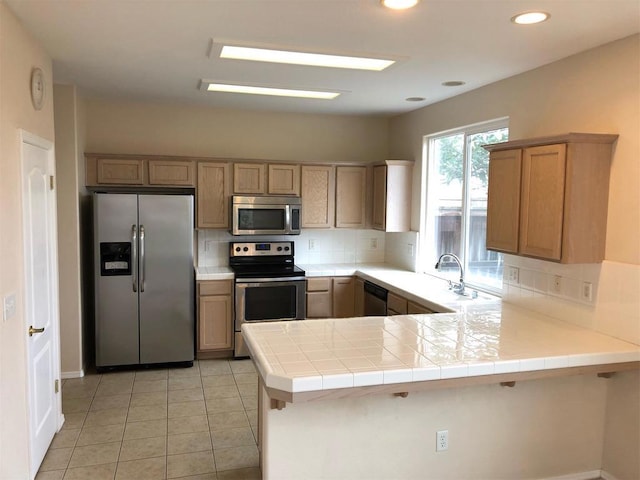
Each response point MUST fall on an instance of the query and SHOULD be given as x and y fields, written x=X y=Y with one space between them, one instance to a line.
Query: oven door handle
x=269 y=280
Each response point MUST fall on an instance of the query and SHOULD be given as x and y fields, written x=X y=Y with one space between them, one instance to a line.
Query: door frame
x=27 y=138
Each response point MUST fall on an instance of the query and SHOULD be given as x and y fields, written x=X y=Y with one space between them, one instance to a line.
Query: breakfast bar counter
x=380 y=387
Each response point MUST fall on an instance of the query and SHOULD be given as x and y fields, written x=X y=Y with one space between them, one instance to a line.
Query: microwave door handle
x=134 y=257
x=287 y=219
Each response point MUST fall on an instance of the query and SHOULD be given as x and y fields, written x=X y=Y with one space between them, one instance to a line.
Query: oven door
x=267 y=300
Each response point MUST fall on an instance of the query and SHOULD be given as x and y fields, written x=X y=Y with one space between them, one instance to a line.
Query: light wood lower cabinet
x=413 y=307
x=215 y=315
x=358 y=296
x=396 y=305
x=319 y=298
x=343 y=297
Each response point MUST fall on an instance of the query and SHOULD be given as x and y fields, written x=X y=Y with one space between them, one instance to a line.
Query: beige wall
x=19 y=53
x=69 y=261
x=146 y=128
x=595 y=91
x=537 y=429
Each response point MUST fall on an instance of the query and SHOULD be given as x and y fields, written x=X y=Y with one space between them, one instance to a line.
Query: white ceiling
x=157 y=50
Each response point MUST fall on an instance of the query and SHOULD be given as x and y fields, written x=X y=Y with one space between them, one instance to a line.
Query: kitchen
x=544 y=101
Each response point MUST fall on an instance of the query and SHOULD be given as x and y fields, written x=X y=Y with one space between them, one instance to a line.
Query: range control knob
x=286 y=249
x=279 y=249
x=245 y=249
x=237 y=249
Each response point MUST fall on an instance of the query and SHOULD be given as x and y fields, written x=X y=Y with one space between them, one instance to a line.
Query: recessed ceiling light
x=415 y=99
x=529 y=18
x=453 y=83
x=399 y=4
x=258 y=90
x=303 y=58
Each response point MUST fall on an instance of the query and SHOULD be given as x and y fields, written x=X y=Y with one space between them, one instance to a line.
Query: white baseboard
x=66 y=375
x=607 y=475
x=593 y=474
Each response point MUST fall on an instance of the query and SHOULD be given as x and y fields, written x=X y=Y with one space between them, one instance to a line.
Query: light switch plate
x=8 y=307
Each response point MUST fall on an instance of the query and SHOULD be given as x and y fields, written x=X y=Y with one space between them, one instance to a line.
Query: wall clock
x=37 y=88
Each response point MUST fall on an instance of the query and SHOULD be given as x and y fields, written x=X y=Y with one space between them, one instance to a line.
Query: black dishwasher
x=375 y=300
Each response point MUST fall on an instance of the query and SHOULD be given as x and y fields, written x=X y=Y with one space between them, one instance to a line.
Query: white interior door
x=41 y=294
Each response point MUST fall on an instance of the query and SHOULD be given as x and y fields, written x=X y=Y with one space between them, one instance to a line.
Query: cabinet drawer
x=397 y=304
x=215 y=287
x=322 y=284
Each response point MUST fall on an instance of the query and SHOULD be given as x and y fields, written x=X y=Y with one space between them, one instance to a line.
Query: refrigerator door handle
x=134 y=257
x=142 y=259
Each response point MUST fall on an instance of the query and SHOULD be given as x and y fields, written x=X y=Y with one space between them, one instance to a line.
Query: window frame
x=427 y=219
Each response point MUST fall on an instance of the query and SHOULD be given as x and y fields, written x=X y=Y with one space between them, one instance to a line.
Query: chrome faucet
x=458 y=287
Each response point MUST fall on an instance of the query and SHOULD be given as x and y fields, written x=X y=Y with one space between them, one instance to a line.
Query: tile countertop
x=213 y=273
x=494 y=338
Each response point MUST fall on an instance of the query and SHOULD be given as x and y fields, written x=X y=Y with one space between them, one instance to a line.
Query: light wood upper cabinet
x=351 y=189
x=284 y=179
x=503 y=203
x=563 y=191
x=212 y=195
x=249 y=178
x=116 y=171
x=167 y=172
x=542 y=201
x=215 y=315
x=318 y=196
x=392 y=196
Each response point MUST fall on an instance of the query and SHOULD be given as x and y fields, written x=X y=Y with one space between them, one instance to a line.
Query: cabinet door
x=213 y=195
x=503 y=202
x=396 y=305
x=358 y=295
x=215 y=323
x=378 y=220
x=351 y=186
x=542 y=203
x=319 y=298
x=318 y=196
x=284 y=179
x=166 y=172
x=248 y=178
x=343 y=297
x=114 y=171
x=415 y=308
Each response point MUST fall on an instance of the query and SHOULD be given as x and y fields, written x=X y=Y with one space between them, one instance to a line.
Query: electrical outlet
x=514 y=275
x=556 y=285
x=587 y=291
x=410 y=249
x=312 y=244
x=442 y=440
x=8 y=307
x=208 y=244
x=373 y=243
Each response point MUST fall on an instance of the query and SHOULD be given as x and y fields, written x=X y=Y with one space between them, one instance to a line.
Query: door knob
x=35 y=330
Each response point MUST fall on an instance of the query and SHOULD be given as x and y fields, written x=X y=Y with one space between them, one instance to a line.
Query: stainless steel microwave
x=266 y=215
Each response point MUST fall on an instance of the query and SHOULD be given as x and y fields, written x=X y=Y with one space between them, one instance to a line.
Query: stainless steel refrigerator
x=144 y=305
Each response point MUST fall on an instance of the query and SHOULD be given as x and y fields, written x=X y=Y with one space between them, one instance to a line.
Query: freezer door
x=167 y=332
x=116 y=300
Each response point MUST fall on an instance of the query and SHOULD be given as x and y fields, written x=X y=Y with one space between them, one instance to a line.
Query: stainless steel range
x=268 y=286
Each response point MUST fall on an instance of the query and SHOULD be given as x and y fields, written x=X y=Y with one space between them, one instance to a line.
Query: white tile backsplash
x=614 y=308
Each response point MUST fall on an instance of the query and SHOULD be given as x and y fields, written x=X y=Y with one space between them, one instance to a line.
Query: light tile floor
x=196 y=423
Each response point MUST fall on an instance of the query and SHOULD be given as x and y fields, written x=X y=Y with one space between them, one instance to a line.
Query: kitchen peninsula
x=364 y=397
